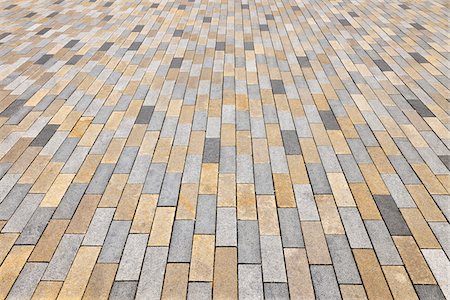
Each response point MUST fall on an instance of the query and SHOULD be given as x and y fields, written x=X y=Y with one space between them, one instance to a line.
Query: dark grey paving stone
x=145 y=115
x=429 y=292
x=44 y=58
x=263 y=27
x=421 y=108
x=105 y=46
x=12 y=108
x=138 y=28
x=278 y=87
x=418 y=26
x=391 y=215
x=418 y=57
x=44 y=136
x=71 y=43
x=276 y=291
x=290 y=142
x=123 y=290
x=249 y=46
x=74 y=59
x=178 y=33
x=220 y=46
x=382 y=65
x=70 y=201
x=135 y=46
x=329 y=120
x=445 y=160
x=211 y=150
x=43 y=31
x=344 y=22
x=176 y=62
x=303 y=61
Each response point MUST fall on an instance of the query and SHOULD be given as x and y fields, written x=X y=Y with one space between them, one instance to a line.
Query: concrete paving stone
x=206 y=215
x=391 y=215
x=343 y=261
x=181 y=243
x=64 y=255
x=199 y=290
x=250 y=281
x=325 y=283
x=382 y=243
x=152 y=275
x=291 y=233
x=202 y=150
x=35 y=226
x=132 y=257
x=248 y=242
x=272 y=259
x=354 y=228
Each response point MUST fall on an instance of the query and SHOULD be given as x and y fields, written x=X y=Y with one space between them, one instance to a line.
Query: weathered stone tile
x=132 y=258
x=298 y=273
x=78 y=276
x=152 y=275
x=325 y=283
x=202 y=261
x=342 y=257
x=354 y=228
x=250 y=281
x=391 y=216
x=199 y=290
x=181 y=242
x=371 y=274
x=382 y=243
x=101 y=281
x=225 y=285
x=175 y=281
x=248 y=242
x=12 y=266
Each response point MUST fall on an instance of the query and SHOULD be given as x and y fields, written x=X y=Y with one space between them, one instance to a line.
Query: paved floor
x=216 y=149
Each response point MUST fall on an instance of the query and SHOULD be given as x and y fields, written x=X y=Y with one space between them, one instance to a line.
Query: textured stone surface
x=224 y=149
